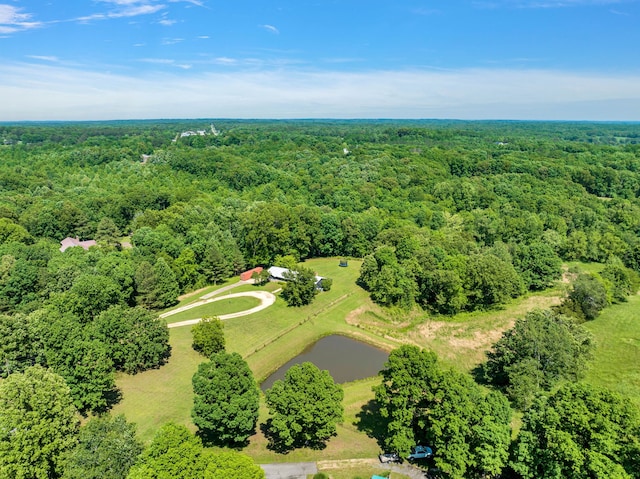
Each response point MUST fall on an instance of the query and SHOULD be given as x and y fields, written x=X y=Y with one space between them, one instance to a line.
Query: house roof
x=278 y=272
x=69 y=242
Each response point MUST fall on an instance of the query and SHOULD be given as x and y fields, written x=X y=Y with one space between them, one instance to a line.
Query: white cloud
x=48 y=92
x=171 y=41
x=225 y=61
x=10 y=15
x=13 y=20
x=158 y=61
x=553 y=3
x=46 y=58
x=124 y=9
x=167 y=61
x=271 y=28
x=167 y=23
x=197 y=3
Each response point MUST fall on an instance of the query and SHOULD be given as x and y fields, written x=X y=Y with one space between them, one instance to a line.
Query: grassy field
x=217 y=308
x=271 y=337
x=617 y=359
x=155 y=397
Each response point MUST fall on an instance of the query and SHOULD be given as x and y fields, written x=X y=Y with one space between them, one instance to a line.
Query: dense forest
x=447 y=216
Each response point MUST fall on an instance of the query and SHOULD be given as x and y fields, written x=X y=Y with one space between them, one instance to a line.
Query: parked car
x=389 y=457
x=420 y=452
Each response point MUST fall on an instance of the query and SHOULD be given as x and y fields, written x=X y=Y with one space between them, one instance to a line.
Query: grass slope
x=616 y=364
x=271 y=337
x=217 y=308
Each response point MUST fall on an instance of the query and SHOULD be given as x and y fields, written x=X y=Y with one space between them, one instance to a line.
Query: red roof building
x=247 y=274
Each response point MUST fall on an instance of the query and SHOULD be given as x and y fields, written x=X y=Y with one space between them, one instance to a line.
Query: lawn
x=271 y=337
x=217 y=308
x=152 y=398
x=616 y=364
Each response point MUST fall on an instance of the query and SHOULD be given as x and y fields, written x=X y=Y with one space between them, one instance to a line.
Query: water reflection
x=345 y=358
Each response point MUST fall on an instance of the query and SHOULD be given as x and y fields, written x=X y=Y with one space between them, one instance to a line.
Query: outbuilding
x=247 y=275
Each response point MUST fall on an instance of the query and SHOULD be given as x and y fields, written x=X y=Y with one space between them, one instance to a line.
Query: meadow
x=271 y=337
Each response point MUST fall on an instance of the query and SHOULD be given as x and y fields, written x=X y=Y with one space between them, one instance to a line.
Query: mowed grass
x=271 y=337
x=153 y=398
x=266 y=339
x=216 y=308
x=616 y=364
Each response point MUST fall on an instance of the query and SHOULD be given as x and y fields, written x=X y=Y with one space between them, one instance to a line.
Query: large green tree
x=208 y=336
x=226 y=399
x=300 y=288
x=136 y=339
x=587 y=297
x=538 y=265
x=231 y=465
x=424 y=403
x=580 y=431
x=18 y=344
x=541 y=349
x=107 y=448
x=81 y=360
x=305 y=407
x=174 y=453
x=38 y=424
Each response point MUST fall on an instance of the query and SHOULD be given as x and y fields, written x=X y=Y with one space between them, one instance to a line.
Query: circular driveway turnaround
x=266 y=300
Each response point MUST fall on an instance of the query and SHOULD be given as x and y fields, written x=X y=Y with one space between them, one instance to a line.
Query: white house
x=276 y=273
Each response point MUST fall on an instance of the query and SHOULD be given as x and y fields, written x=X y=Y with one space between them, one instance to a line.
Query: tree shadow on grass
x=112 y=397
x=372 y=423
x=275 y=444
x=210 y=438
x=479 y=374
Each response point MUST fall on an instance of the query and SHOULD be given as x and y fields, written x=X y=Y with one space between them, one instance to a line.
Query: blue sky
x=467 y=59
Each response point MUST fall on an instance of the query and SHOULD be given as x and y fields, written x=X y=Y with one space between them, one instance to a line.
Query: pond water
x=346 y=360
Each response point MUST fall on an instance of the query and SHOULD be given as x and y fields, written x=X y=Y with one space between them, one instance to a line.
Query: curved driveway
x=266 y=300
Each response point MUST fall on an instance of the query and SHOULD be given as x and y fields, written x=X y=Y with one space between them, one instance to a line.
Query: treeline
x=455 y=195
x=448 y=217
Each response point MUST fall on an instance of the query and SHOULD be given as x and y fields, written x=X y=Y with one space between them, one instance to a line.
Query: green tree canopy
x=300 y=288
x=538 y=264
x=208 y=336
x=38 y=424
x=305 y=408
x=579 y=431
x=107 y=448
x=175 y=453
x=18 y=344
x=135 y=339
x=424 y=403
x=231 y=465
x=541 y=349
x=226 y=399
x=587 y=297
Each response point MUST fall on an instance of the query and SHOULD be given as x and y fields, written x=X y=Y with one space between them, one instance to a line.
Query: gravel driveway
x=289 y=470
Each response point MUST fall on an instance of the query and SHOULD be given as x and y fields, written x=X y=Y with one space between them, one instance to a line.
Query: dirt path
x=266 y=300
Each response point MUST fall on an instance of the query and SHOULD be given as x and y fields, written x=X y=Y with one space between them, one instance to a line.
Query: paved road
x=289 y=470
x=300 y=470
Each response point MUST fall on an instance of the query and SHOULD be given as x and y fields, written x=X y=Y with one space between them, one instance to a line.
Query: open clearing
x=616 y=364
x=272 y=336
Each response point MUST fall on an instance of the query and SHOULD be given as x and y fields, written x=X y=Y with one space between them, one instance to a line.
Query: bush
x=208 y=337
x=326 y=283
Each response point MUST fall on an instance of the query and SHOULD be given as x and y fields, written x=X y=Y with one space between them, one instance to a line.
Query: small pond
x=346 y=360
